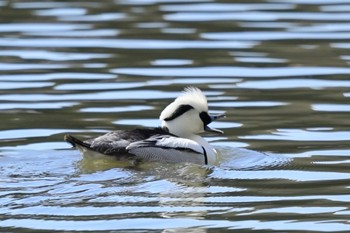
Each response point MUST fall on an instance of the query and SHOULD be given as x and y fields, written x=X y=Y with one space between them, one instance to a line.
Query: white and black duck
x=176 y=141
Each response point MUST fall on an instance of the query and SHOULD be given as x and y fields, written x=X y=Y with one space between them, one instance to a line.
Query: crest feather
x=195 y=97
x=190 y=96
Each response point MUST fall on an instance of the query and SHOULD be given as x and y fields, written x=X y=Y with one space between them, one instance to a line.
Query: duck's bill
x=214 y=117
x=213 y=130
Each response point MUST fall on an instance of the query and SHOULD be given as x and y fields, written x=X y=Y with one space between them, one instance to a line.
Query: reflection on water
x=278 y=68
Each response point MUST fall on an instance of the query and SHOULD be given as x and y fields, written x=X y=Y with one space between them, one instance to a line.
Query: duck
x=177 y=140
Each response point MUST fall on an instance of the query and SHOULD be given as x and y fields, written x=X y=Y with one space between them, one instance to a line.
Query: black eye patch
x=205 y=118
x=179 y=111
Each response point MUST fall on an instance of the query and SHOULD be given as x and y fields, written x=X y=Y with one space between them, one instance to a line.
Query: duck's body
x=175 y=142
x=149 y=144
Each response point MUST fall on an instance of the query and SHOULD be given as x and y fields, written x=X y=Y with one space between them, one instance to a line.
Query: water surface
x=279 y=68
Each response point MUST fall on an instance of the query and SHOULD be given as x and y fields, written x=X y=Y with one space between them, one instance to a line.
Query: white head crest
x=191 y=96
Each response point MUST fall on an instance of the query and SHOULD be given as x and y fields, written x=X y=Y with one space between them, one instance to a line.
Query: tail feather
x=74 y=141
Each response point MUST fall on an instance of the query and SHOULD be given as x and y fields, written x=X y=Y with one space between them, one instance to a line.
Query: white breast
x=211 y=152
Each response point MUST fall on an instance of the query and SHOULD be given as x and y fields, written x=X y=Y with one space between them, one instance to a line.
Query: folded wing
x=168 y=148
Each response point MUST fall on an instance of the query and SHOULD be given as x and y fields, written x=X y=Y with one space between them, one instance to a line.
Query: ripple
x=41 y=146
x=334 y=27
x=260 y=60
x=294 y=83
x=269 y=25
x=111 y=210
x=209 y=7
x=153 y=2
x=234 y=158
x=56 y=76
x=189 y=81
x=312 y=2
x=255 y=16
x=97 y=86
x=171 y=62
x=36 y=5
x=53 y=56
x=123 y=224
x=345 y=57
x=248 y=54
x=61 y=12
x=341 y=45
x=240 y=104
x=300 y=210
x=326 y=153
x=331 y=107
x=336 y=8
x=77 y=33
x=24 y=85
x=26 y=133
x=227 y=71
x=30 y=27
x=273 y=35
x=109 y=95
x=28 y=183
x=172 y=224
x=178 y=30
x=50 y=105
x=134 y=108
x=24 y=66
x=225 y=125
x=93 y=18
x=302 y=135
x=152 y=25
x=295 y=175
x=122 y=43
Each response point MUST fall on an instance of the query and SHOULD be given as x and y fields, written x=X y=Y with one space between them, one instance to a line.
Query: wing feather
x=167 y=148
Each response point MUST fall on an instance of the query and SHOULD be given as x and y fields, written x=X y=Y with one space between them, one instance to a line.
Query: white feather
x=190 y=96
x=183 y=143
x=168 y=148
x=168 y=141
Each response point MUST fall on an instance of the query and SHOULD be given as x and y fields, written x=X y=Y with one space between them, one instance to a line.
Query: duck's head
x=188 y=114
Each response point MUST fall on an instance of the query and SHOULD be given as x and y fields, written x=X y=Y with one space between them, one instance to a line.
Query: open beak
x=213 y=118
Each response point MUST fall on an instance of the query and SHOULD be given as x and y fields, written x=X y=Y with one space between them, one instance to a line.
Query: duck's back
x=116 y=142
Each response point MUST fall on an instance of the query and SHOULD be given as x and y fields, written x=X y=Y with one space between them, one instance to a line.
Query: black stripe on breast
x=179 y=111
x=205 y=156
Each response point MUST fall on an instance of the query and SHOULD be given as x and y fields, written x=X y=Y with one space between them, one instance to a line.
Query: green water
x=279 y=69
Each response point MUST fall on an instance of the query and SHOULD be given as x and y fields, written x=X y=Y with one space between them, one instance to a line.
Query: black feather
x=74 y=141
x=179 y=111
x=205 y=118
x=115 y=142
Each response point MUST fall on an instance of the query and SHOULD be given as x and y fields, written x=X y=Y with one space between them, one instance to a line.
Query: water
x=279 y=68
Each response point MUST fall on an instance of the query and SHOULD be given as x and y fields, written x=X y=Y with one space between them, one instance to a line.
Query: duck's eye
x=205 y=118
